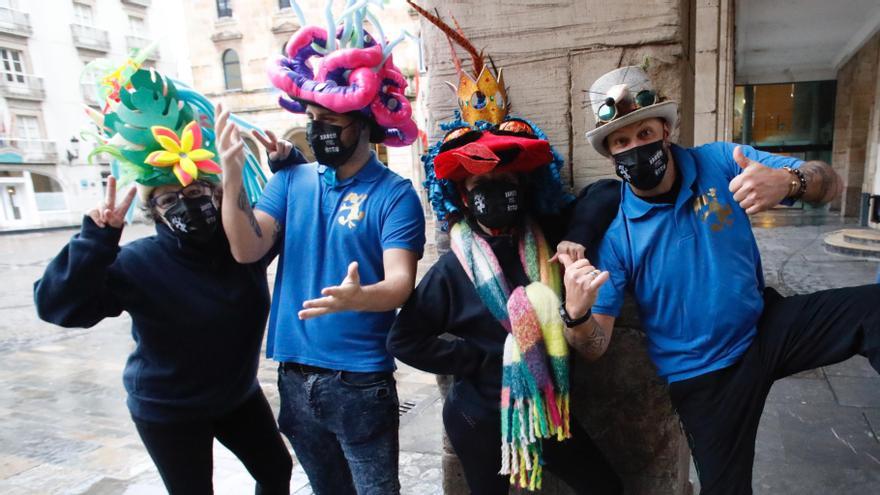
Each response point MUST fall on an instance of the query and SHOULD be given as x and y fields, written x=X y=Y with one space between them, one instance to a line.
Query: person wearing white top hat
x=682 y=245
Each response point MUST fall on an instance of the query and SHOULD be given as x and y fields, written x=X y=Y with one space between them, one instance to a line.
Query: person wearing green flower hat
x=198 y=316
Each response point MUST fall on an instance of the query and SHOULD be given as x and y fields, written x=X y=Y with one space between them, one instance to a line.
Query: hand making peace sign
x=278 y=149
x=108 y=212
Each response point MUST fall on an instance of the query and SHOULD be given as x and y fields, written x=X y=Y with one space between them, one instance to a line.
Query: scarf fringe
x=524 y=425
x=535 y=391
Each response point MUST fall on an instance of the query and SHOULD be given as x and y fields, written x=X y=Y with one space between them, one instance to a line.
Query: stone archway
x=257 y=151
x=297 y=136
x=381 y=152
x=30 y=191
x=48 y=192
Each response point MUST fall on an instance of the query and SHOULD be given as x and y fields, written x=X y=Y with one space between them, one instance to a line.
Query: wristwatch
x=573 y=322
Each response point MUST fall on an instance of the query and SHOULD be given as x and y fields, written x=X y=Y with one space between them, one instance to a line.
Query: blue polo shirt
x=327 y=225
x=693 y=267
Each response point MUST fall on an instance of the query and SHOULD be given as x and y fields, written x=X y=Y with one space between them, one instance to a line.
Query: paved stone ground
x=819 y=431
x=64 y=427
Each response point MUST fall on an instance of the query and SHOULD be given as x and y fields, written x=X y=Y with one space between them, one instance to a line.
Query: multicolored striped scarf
x=534 y=393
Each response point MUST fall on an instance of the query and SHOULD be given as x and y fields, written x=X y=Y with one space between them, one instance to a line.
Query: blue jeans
x=343 y=428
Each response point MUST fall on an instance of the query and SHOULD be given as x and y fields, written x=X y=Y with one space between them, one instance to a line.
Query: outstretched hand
x=108 y=212
x=343 y=297
x=582 y=282
x=278 y=149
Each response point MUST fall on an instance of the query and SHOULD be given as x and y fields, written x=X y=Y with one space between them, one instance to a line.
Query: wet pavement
x=64 y=427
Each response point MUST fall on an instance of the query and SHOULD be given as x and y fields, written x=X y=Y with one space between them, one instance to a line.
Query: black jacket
x=198 y=316
x=446 y=302
x=444 y=327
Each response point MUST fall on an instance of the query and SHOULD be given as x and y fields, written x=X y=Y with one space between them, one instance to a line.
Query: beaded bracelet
x=801 y=183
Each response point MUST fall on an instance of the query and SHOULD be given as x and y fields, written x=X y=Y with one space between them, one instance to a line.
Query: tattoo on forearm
x=244 y=205
x=590 y=342
x=822 y=182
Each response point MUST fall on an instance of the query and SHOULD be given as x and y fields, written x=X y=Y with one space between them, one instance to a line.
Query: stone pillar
x=856 y=96
x=550 y=54
x=871 y=182
x=713 y=81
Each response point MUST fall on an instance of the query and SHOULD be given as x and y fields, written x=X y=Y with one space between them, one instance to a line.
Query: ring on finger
x=594 y=273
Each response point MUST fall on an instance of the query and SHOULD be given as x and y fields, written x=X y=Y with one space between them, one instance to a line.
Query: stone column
x=713 y=82
x=550 y=54
x=872 y=167
x=856 y=89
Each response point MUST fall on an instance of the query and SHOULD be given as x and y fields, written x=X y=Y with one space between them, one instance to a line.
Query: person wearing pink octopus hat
x=350 y=232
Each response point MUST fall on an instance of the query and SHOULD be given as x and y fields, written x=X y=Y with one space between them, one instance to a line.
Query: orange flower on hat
x=184 y=153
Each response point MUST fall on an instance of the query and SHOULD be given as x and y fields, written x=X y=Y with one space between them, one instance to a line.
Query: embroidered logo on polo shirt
x=707 y=206
x=352 y=204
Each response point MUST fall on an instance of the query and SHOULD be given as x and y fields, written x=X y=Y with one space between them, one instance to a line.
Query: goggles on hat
x=608 y=110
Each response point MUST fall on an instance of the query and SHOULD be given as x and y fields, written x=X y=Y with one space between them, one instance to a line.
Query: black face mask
x=193 y=219
x=643 y=166
x=326 y=142
x=497 y=204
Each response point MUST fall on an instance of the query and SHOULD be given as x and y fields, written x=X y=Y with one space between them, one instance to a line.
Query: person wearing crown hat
x=683 y=246
x=492 y=180
x=197 y=316
x=351 y=232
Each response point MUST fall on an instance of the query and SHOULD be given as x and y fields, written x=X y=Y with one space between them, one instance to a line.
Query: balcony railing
x=139 y=43
x=31 y=150
x=139 y=3
x=15 y=22
x=21 y=86
x=90 y=38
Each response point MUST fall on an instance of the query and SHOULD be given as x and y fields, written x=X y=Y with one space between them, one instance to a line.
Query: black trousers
x=721 y=410
x=475 y=434
x=183 y=452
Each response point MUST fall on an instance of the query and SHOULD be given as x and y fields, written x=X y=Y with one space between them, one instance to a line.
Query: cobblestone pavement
x=64 y=427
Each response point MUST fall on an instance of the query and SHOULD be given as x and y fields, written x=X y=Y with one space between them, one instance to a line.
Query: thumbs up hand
x=758 y=187
x=343 y=297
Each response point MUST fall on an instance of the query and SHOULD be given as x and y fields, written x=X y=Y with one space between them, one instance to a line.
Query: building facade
x=805 y=84
x=232 y=41
x=45 y=179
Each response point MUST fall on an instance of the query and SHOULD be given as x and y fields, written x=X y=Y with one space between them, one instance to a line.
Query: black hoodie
x=198 y=316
